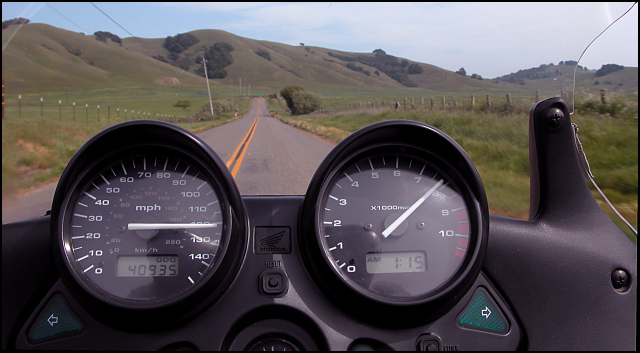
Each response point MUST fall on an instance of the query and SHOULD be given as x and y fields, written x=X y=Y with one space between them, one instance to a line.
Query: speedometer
x=147 y=219
x=145 y=229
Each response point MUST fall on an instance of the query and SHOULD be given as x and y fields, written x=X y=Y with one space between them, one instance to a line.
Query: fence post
x=509 y=99
x=473 y=100
x=431 y=102
x=443 y=102
x=455 y=103
x=59 y=109
x=19 y=106
x=422 y=102
x=412 y=105
x=537 y=95
x=87 y=108
x=41 y=108
x=98 y=112
x=603 y=96
x=488 y=101
x=74 y=111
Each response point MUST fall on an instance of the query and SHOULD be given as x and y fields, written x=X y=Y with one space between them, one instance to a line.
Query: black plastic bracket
x=558 y=187
x=556 y=268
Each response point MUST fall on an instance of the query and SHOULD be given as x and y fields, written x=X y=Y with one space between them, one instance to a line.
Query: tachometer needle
x=411 y=209
x=151 y=226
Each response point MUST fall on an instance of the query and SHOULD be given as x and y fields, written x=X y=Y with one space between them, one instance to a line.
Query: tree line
x=388 y=64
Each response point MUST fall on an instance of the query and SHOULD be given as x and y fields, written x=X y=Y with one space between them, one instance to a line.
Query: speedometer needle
x=151 y=226
x=411 y=209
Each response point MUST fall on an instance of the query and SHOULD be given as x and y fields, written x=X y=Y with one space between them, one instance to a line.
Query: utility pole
x=206 y=76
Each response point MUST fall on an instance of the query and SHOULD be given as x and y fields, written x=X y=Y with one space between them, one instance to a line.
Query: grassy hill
x=560 y=78
x=42 y=58
x=45 y=58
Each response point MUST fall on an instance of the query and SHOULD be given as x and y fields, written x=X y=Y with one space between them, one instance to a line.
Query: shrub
x=287 y=94
x=300 y=101
x=304 y=102
x=415 y=69
x=219 y=107
x=608 y=68
x=15 y=21
x=103 y=36
x=179 y=43
x=265 y=54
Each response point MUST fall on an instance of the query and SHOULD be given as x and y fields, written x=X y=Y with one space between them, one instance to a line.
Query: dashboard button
x=428 y=343
x=483 y=314
x=273 y=282
x=55 y=321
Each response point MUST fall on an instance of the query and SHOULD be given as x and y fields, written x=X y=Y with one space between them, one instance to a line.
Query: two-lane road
x=266 y=157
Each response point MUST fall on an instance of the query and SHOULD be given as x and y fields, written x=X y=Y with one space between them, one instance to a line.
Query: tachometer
x=394 y=223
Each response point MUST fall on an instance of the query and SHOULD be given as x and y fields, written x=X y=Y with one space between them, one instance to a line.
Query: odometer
x=144 y=229
x=152 y=266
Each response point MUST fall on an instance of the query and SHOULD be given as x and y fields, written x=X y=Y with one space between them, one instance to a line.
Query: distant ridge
x=43 y=58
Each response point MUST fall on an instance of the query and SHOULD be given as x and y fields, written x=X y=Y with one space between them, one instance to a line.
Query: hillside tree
x=184 y=104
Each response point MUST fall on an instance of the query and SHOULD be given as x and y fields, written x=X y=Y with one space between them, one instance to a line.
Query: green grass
x=145 y=103
x=497 y=142
x=36 y=149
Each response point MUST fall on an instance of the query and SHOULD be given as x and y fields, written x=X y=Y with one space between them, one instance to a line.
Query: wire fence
x=85 y=112
x=481 y=102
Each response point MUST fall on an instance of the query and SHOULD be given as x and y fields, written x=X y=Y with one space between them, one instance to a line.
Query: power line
x=66 y=18
x=134 y=20
x=155 y=19
x=94 y=5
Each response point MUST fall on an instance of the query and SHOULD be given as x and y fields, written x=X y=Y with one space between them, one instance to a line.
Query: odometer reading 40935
x=154 y=265
x=144 y=230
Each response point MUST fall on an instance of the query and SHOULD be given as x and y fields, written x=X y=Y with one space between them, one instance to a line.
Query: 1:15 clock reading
x=396 y=262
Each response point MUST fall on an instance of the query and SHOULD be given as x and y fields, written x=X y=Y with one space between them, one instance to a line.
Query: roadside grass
x=36 y=149
x=497 y=143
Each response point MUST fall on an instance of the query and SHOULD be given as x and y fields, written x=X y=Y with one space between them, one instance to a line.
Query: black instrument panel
x=389 y=249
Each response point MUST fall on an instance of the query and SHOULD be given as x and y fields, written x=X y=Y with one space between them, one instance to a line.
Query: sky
x=490 y=39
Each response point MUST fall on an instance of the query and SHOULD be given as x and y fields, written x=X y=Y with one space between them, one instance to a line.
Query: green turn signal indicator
x=483 y=314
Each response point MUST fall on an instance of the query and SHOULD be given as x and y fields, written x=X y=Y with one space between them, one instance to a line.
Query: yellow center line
x=238 y=155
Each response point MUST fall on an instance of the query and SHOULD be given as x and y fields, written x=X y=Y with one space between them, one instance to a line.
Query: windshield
x=273 y=87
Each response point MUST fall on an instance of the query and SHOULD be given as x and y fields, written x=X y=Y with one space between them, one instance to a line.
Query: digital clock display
x=147 y=266
x=396 y=262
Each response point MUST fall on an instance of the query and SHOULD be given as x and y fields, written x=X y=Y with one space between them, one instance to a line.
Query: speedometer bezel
x=136 y=136
x=90 y=173
x=355 y=300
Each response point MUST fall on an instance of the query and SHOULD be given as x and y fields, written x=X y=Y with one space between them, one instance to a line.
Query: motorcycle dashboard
x=391 y=248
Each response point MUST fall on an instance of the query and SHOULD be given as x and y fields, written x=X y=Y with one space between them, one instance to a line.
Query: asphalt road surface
x=265 y=156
